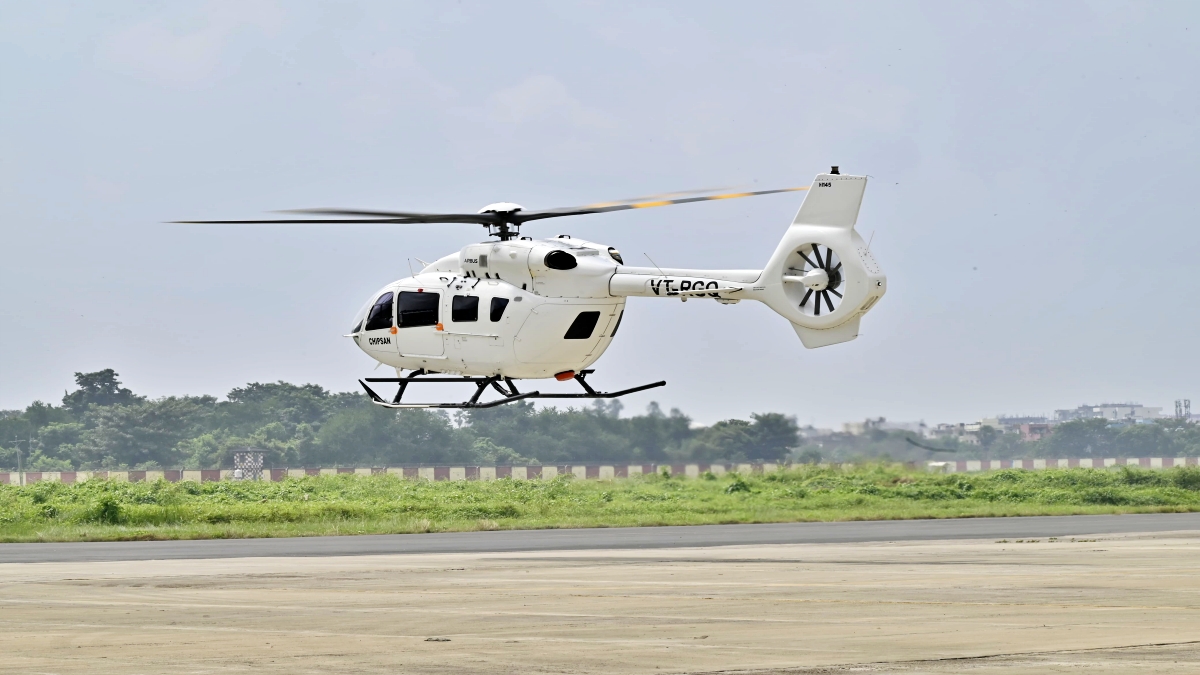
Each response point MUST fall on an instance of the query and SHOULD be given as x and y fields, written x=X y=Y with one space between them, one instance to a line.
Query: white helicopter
x=522 y=308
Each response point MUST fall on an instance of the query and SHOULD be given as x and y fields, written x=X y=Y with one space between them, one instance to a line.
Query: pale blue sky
x=1033 y=167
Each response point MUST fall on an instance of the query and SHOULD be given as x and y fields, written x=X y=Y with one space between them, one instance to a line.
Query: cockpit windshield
x=359 y=316
x=381 y=313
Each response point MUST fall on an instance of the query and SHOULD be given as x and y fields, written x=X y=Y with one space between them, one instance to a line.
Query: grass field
x=348 y=504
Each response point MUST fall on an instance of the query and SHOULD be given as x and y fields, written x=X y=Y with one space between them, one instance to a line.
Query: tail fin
x=833 y=200
x=822 y=277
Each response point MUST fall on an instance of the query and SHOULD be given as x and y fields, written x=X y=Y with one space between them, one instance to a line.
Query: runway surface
x=604 y=538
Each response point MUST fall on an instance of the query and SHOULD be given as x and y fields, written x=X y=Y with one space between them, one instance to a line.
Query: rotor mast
x=504 y=229
x=501 y=220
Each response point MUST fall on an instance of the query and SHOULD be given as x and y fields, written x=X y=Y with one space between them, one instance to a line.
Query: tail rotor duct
x=817 y=273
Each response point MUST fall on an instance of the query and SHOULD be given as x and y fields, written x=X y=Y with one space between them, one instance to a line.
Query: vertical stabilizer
x=833 y=200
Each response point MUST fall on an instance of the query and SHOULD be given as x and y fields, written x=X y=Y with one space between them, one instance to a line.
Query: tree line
x=1095 y=438
x=104 y=425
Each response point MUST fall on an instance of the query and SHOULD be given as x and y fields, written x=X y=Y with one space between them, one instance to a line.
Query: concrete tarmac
x=1112 y=603
x=604 y=538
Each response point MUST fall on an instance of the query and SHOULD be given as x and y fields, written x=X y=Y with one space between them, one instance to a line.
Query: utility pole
x=17 y=442
x=28 y=449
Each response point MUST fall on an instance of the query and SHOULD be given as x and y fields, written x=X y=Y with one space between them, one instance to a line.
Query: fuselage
x=498 y=308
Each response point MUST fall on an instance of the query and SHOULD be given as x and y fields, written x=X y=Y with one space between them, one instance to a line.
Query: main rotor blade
x=479 y=218
x=605 y=207
x=406 y=216
x=290 y=222
x=658 y=197
x=359 y=216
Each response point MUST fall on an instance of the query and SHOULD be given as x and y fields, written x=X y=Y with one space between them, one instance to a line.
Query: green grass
x=348 y=504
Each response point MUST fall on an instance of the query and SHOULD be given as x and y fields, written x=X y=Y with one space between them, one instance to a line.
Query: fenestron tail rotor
x=502 y=219
x=815 y=271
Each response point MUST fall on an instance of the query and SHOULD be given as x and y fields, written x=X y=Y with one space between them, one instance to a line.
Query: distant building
x=881 y=423
x=919 y=428
x=1113 y=412
x=860 y=428
x=945 y=430
x=1007 y=423
x=810 y=432
x=1034 y=431
x=1027 y=419
x=965 y=433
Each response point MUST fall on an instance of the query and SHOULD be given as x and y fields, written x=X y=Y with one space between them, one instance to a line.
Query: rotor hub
x=501 y=207
x=817 y=279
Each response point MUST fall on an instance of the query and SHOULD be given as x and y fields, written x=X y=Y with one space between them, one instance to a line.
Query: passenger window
x=464 y=308
x=582 y=327
x=498 y=305
x=418 y=309
x=381 y=313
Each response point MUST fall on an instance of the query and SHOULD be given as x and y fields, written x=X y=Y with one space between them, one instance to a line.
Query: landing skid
x=504 y=385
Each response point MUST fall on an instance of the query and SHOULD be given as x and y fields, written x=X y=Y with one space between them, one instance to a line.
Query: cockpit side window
x=498 y=305
x=464 y=308
x=381 y=313
x=418 y=309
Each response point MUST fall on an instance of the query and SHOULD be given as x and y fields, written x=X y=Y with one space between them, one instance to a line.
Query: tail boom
x=822 y=277
x=651 y=282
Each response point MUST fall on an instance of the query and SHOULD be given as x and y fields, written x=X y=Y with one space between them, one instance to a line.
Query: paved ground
x=597 y=538
x=1096 y=604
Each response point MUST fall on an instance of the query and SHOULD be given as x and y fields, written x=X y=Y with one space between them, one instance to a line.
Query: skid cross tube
x=473 y=403
x=508 y=390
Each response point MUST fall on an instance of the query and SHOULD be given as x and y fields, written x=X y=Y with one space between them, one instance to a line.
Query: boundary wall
x=582 y=471
x=961 y=466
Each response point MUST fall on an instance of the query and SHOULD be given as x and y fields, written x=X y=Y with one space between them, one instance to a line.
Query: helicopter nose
x=360 y=318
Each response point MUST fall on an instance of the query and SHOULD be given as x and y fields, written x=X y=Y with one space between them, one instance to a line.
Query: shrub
x=1102 y=496
x=738 y=485
x=105 y=511
x=1186 y=478
x=1135 y=476
x=810 y=456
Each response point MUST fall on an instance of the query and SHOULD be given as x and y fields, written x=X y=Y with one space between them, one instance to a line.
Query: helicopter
x=517 y=308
